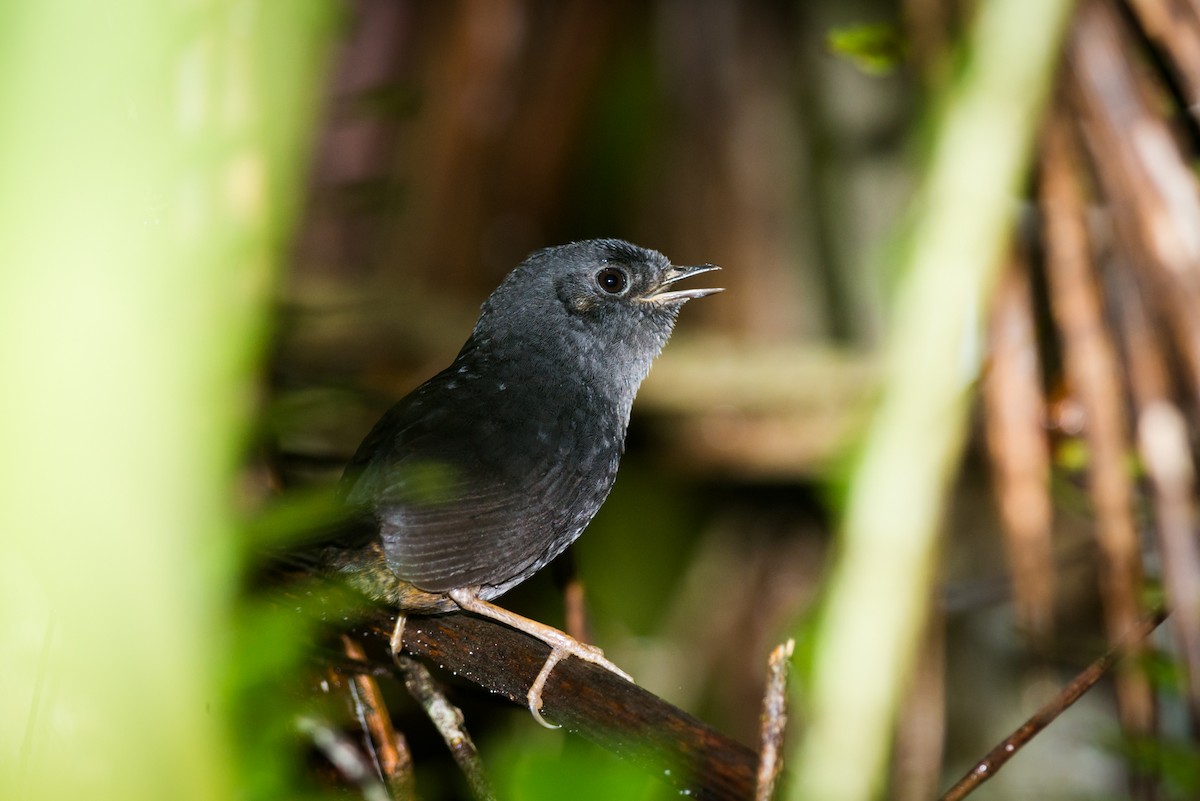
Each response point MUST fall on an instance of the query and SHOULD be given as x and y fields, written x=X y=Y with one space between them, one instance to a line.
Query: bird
x=486 y=472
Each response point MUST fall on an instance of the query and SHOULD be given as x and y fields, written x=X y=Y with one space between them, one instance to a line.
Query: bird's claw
x=534 y=696
x=558 y=652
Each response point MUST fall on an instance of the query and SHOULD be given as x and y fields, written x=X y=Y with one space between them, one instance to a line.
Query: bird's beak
x=664 y=294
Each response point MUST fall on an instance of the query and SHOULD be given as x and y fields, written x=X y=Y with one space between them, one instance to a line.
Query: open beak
x=664 y=294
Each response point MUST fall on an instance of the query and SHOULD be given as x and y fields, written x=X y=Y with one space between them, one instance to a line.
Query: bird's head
x=600 y=303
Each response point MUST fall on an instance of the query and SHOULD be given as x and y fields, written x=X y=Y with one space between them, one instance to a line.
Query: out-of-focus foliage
x=875 y=49
x=541 y=768
x=879 y=596
x=149 y=165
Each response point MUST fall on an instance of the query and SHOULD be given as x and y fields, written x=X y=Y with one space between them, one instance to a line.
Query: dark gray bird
x=490 y=469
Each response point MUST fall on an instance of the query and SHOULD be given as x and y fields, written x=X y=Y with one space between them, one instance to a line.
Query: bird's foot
x=534 y=696
x=561 y=645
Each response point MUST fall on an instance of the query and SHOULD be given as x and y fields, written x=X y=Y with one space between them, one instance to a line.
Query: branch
x=393 y=760
x=773 y=721
x=987 y=767
x=586 y=699
x=448 y=719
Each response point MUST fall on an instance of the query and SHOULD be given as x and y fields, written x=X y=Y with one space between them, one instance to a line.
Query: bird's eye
x=612 y=280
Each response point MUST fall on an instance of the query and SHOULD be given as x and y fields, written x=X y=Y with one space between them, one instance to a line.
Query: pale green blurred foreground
x=150 y=157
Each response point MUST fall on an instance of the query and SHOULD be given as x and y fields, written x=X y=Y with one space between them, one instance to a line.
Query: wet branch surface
x=585 y=699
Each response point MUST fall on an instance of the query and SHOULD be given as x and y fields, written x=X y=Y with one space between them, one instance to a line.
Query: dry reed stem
x=1174 y=26
x=1093 y=373
x=1164 y=448
x=1149 y=186
x=1015 y=415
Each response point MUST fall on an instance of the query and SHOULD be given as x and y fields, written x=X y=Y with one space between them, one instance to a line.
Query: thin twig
x=987 y=767
x=389 y=748
x=575 y=607
x=448 y=719
x=774 y=721
x=365 y=667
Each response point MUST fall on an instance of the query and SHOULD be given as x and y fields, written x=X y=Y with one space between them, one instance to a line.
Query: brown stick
x=575 y=608
x=1015 y=417
x=774 y=721
x=448 y=720
x=1092 y=369
x=1174 y=25
x=987 y=767
x=1149 y=186
x=389 y=749
x=599 y=705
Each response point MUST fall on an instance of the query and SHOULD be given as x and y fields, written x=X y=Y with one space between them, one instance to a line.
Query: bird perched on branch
x=490 y=469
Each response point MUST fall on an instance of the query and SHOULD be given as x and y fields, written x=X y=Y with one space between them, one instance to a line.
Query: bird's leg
x=561 y=644
x=397 y=640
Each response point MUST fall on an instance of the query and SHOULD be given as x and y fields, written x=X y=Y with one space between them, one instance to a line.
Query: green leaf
x=876 y=49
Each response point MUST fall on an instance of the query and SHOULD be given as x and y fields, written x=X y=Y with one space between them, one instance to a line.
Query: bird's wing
x=455 y=506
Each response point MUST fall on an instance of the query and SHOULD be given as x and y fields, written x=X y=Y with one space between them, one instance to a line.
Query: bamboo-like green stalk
x=149 y=152
x=880 y=586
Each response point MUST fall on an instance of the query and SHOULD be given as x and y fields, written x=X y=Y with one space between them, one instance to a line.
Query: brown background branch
x=987 y=767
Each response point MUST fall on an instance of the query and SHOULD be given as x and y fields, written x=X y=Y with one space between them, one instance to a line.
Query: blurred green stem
x=149 y=152
x=881 y=584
